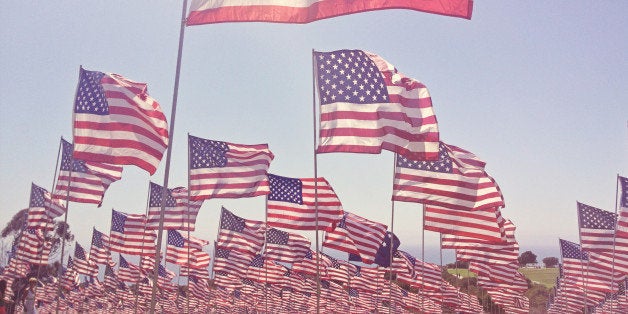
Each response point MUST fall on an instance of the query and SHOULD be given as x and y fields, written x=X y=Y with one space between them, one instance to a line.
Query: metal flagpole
x=392 y=224
x=318 y=274
x=137 y=284
x=65 y=229
x=187 y=286
x=265 y=266
x=422 y=257
x=54 y=179
x=586 y=279
x=168 y=155
x=440 y=251
x=614 y=238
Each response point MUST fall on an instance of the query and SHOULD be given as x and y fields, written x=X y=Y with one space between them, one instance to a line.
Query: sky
x=536 y=90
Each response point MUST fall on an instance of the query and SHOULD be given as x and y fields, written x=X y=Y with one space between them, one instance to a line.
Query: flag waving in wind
x=117 y=122
x=86 y=181
x=366 y=105
x=226 y=170
x=306 y=11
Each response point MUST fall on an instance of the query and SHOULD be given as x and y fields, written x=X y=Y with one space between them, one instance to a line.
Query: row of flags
x=594 y=272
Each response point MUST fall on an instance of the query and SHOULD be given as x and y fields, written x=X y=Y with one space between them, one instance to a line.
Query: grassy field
x=543 y=276
x=461 y=273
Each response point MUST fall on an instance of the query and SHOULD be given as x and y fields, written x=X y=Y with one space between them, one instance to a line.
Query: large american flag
x=303 y=11
x=292 y=203
x=179 y=213
x=597 y=228
x=41 y=199
x=226 y=170
x=285 y=247
x=231 y=262
x=129 y=235
x=239 y=234
x=117 y=122
x=367 y=106
x=456 y=180
x=357 y=235
x=482 y=224
x=87 y=181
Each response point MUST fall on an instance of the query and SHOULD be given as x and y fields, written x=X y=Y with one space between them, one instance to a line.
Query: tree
x=527 y=257
x=550 y=261
x=60 y=230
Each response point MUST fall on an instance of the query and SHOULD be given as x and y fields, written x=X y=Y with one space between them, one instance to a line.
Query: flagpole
x=265 y=247
x=422 y=256
x=585 y=279
x=187 y=287
x=318 y=275
x=137 y=294
x=168 y=155
x=54 y=179
x=65 y=229
x=392 y=224
x=440 y=252
x=614 y=238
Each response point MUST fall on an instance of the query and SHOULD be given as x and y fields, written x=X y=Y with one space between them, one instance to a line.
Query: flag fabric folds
x=483 y=224
x=292 y=203
x=129 y=235
x=303 y=11
x=226 y=170
x=366 y=105
x=117 y=122
x=357 y=235
x=83 y=182
x=179 y=212
x=456 y=180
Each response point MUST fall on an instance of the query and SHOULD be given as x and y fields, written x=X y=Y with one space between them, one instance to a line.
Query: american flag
x=70 y=278
x=33 y=247
x=230 y=261
x=87 y=181
x=301 y=11
x=576 y=267
x=622 y=223
x=456 y=180
x=127 y=271
x=286 y=247
x=16 y=268
x=367 y=106
x=177 y=249
x=111 y=279
x=597 y=229
x=117 y=122
x=417 y=273
x=357 y=235
x=367 y=279
x=482 y=224
x=43 y=200
x=292 y=203
x=99 y=250
x=165 y=276
x=263 y=270
x=472 y=249
x=82 y=264
x=496 y=272
x=307 y=266
x=226 y=170
x=239 y=234
x=179 y=213
x=129 y=235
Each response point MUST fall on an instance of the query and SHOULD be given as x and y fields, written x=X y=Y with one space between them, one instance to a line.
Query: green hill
x=542 y=276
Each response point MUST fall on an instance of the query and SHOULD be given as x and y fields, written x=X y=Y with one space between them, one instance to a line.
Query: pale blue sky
x=536 y=89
